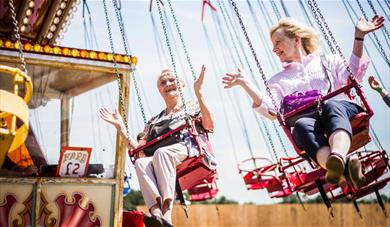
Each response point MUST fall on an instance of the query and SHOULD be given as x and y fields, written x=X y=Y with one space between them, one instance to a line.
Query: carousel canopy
x=40 y=21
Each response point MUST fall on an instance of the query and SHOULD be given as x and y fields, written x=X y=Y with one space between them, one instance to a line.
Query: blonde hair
x=293 y=29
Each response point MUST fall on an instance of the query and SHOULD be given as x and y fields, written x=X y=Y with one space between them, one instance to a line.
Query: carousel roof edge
x=68 y=53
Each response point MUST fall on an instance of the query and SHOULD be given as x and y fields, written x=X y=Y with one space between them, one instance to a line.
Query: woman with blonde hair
x=325 y=137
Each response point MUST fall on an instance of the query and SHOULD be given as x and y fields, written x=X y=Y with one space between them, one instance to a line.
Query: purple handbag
x=297 y=99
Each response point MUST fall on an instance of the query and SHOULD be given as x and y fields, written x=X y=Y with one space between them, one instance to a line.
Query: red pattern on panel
x=5 y=208
x=73 y=215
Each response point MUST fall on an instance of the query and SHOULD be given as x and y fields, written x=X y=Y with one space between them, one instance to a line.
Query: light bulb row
x=70 y=52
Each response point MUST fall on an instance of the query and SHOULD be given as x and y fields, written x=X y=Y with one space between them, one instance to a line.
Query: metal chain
x=374 y=11
x=383 y=53
x=315 y=7
x=17 y=36
x=284 y=7
x=181 y=39
x=325 y=35
x=172 y=59
x=258 y=66
x=275 y=8
x=228 y=20
x=226 y=15
x=116 y=68
x=376 y=138
x=122 y=30
x=254 y=55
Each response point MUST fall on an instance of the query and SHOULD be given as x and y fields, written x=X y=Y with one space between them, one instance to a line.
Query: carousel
x=35 y=71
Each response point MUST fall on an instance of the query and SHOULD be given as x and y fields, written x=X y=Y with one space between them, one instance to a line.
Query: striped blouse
x=310 y=76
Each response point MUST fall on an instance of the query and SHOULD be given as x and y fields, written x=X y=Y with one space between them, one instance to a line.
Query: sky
x=237 y=134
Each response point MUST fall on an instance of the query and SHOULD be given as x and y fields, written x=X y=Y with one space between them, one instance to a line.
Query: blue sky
x=88 y=130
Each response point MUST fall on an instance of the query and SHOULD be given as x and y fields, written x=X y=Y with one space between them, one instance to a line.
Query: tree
x=132 y=200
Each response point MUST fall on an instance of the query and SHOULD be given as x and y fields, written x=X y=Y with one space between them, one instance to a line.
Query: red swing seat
x=374 y=165
x=359 y=123
x=265 y=177
x=260 y=177
x=193 y=170
x=204 y=191
x=301 y=180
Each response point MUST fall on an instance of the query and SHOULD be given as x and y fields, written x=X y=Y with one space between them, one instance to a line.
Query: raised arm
x=238 y=79
x=208 y=121
x=362 y=28
x=116 y=120
x=259 y=102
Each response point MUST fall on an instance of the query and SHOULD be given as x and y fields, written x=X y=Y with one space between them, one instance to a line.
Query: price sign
x=74 y=161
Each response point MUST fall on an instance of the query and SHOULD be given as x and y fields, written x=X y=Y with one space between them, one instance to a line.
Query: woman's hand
x=199 y=81
x=374 y=84
x=364 y=27
x=113 y=118
x=231 y=80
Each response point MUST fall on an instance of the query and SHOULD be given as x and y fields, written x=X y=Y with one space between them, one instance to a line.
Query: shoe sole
x=335 y=169
x=355 y=173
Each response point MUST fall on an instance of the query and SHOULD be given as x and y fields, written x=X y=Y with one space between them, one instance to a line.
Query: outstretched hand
x=364 y=27
x=231 y=80
x=199 y=81
x=113 y=118
x=374 y=84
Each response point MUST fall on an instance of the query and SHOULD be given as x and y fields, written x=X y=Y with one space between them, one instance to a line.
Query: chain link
x=316 y=11
x=383 y=53
x=172 y=58
x=228 y=18
x=127 y=51
x=181 y=39
x=116 y=68
x=254 y=55
x=259 y=68
x=275 y=8
x=374 y=11
x=17 y=36
x=317 y=19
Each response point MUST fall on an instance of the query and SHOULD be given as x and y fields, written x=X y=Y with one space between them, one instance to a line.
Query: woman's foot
x=354 y=173
x=335 y=168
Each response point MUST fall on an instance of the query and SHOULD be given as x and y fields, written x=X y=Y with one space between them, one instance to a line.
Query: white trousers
x=157 y=174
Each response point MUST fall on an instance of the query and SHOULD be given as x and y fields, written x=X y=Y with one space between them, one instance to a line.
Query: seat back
x=360 y=123
x=206 y=190
x=360 y=131
x=193 y=170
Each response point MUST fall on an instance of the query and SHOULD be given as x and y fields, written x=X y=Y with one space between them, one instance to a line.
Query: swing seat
x=193 y=170
x=359 y=123
x=204 y=191
x=300 y=180
x=360 y=129
x=374 y=165
x=278 y=188
x=258 y=178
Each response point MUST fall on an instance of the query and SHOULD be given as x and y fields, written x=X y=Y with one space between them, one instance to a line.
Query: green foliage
x=133 y=199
